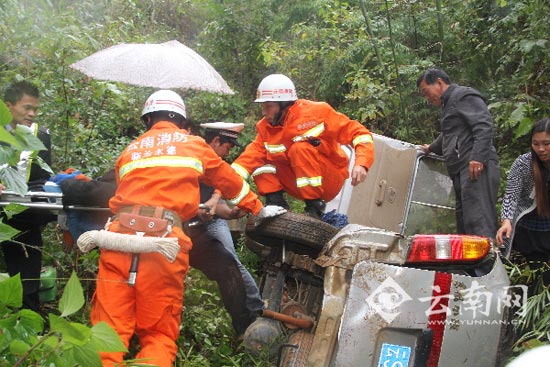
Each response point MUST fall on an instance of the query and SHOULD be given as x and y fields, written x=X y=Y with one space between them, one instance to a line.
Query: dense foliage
x=361 y=56
x=26 y=341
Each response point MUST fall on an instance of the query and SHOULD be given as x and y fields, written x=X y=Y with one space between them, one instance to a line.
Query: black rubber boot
x=315 y=208
x=276 y=198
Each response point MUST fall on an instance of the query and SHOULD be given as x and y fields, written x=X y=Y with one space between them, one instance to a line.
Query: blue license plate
x=392 y=355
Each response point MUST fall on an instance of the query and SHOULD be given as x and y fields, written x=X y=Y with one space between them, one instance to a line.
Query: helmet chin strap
x=279 y=117
x=147 y=121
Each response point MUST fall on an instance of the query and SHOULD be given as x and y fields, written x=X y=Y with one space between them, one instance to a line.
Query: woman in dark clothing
x=526 y=205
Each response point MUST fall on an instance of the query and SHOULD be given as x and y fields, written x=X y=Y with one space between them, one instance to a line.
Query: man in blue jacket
x=466 y=142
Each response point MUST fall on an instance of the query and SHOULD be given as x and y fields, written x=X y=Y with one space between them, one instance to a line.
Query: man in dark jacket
x=23 y=255
x=466 y=142
x=87 y=193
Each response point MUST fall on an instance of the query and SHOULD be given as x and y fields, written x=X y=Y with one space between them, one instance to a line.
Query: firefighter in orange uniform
x=158 y=183
x=297 y=148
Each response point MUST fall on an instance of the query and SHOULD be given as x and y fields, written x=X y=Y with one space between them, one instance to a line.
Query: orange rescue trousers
x=151 y=309
x=305 y=162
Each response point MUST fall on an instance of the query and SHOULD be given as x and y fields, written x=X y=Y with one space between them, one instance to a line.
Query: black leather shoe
x=276 y=198
x=315 y=208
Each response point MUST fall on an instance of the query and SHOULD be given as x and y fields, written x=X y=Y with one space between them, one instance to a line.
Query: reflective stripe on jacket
x=163 y=167
x=307 y=119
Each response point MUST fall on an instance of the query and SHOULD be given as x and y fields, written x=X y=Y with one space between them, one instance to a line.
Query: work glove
x=268 y=211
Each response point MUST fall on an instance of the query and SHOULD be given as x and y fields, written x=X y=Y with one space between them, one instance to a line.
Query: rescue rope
x=168 y=247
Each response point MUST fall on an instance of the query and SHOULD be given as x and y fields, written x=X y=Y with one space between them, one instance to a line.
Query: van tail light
x=448 y=248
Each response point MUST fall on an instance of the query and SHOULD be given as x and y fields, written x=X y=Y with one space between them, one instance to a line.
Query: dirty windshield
x=431 y=209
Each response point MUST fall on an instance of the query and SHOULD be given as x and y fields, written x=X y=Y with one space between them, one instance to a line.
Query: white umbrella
x=169 y=65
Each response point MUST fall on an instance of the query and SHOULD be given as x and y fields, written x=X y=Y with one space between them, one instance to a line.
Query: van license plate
x=392 y=355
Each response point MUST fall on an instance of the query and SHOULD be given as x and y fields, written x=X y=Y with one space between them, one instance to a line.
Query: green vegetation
x=361 y=56
x=25 y=341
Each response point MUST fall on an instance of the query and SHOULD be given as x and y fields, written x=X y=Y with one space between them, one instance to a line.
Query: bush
x=25 y=341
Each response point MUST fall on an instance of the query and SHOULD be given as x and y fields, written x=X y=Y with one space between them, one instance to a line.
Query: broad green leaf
x=38 y=160
x=28 y=140
x=527 y=45
x=8 y=322
x=31 y=321
x=13 y=180
x=86 y=355
x=521 y=119
x=51 y=342
x=495 y=105
x=106 y=339
x=518 y=114
x=4 y=341
x=524 y=127
x=54 y=358
x=73 y=333
x=11 y=292
x=8 y=155
x=5 y=115
x=7 y=137
x=73 y=296
x=81 y=335
x=7 y=232
x=19 y=347
x=13 y=208
x=541 y=42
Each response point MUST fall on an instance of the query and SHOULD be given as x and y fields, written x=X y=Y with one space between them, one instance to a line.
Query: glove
x=269 y=211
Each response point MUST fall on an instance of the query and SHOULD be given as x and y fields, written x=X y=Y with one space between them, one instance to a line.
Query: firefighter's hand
x=205 y=213
x=236 y=213
x=358 y=175
x=268 y=211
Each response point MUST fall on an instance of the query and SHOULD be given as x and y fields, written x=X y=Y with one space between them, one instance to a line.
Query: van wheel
x=257 y=247
x=298 y=348
x=298 y=228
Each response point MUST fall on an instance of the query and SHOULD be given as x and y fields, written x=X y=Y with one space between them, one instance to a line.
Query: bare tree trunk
x=363 y=7
x=440 y=28
x=395 y=65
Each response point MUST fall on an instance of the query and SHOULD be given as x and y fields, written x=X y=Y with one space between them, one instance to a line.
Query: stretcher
x=53 y=201
x=42 y=200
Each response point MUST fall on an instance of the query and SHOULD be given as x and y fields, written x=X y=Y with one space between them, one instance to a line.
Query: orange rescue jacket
x=307 y=119
x=163 y=168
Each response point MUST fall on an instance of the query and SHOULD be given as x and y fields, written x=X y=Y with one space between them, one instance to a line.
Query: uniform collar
x=165 y=125
x=447 y=94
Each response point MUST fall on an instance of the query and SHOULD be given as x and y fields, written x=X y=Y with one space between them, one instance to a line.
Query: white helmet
x=164 y=100
x=276 y=88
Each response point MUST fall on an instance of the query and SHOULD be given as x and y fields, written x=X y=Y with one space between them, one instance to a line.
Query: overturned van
x=395 y=287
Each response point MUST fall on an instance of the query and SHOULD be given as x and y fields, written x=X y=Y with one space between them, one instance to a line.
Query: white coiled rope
x=168 y=247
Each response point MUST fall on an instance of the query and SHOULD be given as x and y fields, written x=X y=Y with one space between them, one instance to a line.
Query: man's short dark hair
x=210 y=134
x=430 y=76
x=153 y=117
x=16 y=90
